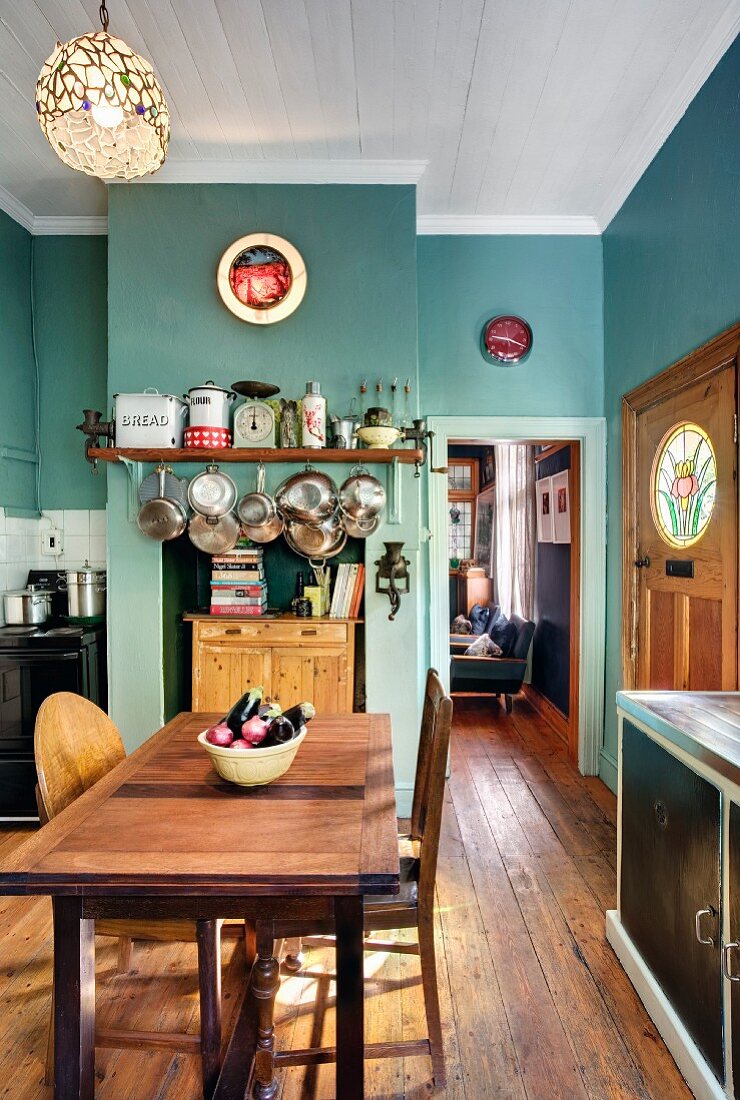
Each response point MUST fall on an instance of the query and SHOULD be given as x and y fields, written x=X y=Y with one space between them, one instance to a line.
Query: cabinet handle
x=697 y=922
x=726 y=951
x=232 y=630
x=313 y=632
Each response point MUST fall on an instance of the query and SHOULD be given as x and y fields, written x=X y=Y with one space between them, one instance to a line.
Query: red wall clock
x=506 y=340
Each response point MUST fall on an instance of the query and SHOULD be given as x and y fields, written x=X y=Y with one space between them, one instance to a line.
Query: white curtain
x=515 y=529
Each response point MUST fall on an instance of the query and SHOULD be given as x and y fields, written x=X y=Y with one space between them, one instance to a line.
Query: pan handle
x=261 y=477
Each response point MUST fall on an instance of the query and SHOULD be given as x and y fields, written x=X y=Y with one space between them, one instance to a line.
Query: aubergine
x=300 y=714
x=269 y=711
x=243 y=710
x=280 y=731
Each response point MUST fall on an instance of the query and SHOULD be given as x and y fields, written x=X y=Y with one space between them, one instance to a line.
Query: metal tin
x=210 y=405
x=149 y=419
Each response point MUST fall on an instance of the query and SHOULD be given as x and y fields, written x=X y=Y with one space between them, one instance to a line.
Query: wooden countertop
x=277 y=617
x=705 y=724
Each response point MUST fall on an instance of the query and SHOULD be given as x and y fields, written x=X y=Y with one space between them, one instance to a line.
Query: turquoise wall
x=70 y=294
x=555 y=283
x=167 y=327
x=18 y=407
x=671 y=282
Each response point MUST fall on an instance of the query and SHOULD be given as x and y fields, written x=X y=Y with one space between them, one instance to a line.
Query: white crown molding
x=287 y=171
x=504 y=224
x=70 y=226
x=716 y=45
x=15 y=209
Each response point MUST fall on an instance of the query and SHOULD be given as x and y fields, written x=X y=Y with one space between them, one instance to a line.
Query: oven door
x=26 y=679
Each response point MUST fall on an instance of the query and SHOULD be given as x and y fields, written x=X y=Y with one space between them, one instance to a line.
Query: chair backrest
x=431 y=768
x=75 y=744
x=524 y=635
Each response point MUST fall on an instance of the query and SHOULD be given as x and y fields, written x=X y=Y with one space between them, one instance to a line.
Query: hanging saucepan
x=361 y=497
x=267 y=533
x=307 y=497
x=161 y=518
x=175 y=488
x=212 y=493
x=316 y=542
x=257 y=509
x=359 y=529
x=214 y=534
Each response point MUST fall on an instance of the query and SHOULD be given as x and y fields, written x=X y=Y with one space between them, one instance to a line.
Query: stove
x=35 y=662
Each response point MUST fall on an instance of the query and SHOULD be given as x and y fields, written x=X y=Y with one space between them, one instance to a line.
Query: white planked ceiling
x=510 y=113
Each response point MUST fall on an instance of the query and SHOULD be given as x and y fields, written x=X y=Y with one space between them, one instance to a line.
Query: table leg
x=265 y=984
x=348 y=915
x=208 y=934
x=74 y=1001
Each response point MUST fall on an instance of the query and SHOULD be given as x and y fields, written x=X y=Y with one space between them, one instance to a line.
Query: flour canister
x=210 y=405
x=149 y=419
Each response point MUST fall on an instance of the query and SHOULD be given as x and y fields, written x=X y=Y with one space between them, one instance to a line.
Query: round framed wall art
x=261 y=278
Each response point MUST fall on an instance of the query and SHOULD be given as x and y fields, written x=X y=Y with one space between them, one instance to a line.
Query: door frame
x=590 y=433
x=701 y=363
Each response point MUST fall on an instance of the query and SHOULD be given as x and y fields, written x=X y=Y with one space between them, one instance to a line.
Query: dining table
x=162 y=836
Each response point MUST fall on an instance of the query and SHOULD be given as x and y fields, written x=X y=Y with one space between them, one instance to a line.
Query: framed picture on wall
x=483 y=544
x=544 y=510
x=561 y=507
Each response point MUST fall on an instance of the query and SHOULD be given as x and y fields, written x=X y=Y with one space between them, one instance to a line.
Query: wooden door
x=685 y=504
x=670 y=883
x=222 y=673
x=317 y=674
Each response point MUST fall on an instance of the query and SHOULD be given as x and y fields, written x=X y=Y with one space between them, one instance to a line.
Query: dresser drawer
x=275 y=633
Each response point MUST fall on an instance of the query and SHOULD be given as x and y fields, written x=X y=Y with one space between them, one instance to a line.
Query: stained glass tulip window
x=101 y=108
x=684 y=481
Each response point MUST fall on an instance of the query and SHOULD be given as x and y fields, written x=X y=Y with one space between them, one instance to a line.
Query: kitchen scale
x=254 y=421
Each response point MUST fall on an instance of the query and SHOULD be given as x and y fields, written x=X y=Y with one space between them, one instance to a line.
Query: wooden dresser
x=294 y=659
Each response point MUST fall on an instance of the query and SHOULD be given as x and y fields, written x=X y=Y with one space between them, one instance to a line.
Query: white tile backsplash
x=83 y=539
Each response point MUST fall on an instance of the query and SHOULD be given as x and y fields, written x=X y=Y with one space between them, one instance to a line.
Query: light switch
x=51 y=542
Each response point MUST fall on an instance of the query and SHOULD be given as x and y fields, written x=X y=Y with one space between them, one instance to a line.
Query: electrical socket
x=51 y=542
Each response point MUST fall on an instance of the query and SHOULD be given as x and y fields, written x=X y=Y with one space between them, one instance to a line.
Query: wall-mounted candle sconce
x=393 y=568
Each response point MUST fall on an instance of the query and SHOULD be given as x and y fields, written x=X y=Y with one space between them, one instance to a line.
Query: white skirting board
x=689 y=1059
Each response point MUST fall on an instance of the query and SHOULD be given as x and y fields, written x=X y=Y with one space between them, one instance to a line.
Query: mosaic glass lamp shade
x=102 y=109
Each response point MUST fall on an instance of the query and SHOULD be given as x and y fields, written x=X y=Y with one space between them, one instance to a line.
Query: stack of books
x=348 y=588
x=238 y=585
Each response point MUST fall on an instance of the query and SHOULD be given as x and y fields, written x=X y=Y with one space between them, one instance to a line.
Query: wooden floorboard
x=534 y=1003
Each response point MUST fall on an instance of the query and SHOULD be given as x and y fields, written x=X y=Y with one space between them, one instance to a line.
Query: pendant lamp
x=101 y=108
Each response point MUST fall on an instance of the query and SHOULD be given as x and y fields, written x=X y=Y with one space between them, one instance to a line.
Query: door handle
x=726 y=952
x=642 y=563
x=708 y=941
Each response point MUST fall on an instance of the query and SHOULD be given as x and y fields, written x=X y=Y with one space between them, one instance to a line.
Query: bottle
x=314 y=416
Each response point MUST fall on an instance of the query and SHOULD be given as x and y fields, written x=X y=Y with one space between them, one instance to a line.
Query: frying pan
x=307 y=497
x=212 y=493
x=162 y=519
x=214 y=534
x=316 y=542
x=267 y=533
x=257 y=509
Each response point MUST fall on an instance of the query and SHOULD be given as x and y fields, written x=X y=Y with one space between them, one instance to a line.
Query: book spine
x=336 y=608
x=357 y=595
x=230 y=609
x=235 y=600
x=238 y=574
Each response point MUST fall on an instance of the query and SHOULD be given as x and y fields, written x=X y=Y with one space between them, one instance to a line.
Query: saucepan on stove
x=27 y=605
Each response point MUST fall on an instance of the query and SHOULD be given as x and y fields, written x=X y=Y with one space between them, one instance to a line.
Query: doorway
x=680 y=524
x=514 y=548
x=590 y=434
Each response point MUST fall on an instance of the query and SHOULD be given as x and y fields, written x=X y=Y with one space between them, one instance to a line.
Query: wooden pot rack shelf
x=251 y=454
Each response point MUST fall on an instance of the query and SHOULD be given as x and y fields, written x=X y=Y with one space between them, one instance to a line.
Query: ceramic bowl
x=382 y=438
x=252 y=767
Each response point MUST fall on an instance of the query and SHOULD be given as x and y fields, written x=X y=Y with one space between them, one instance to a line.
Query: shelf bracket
x=394 y=493
x=133 y=479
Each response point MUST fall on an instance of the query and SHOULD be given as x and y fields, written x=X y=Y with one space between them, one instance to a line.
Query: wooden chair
x=75 y=745
x=414 y=906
